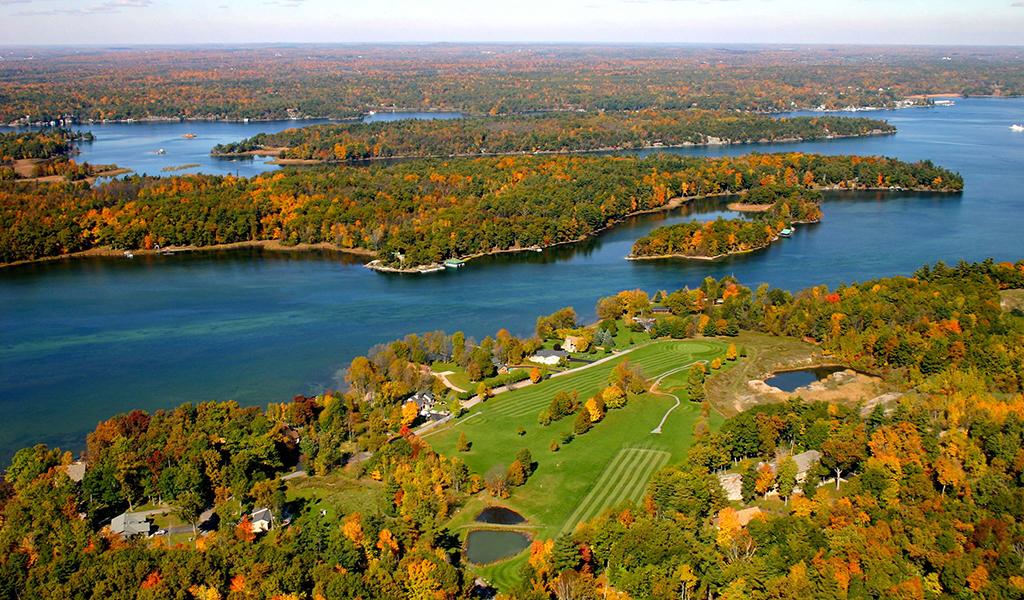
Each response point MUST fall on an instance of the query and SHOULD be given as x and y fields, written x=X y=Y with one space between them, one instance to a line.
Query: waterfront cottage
x=548 y=357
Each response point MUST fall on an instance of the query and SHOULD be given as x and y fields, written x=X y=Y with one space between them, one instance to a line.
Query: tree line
x=344 y=82
x=552 y=132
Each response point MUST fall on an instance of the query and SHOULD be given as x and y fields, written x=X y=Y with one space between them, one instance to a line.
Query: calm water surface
x=788 y=381
x=81 y=340
x=136 y=146
x=485 y=546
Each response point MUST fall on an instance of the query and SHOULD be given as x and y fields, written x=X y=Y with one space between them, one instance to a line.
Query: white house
x=548 y=357
x=262 y=519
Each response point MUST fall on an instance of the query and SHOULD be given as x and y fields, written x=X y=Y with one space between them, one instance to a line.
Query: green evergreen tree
x=748 y=489
x=565 y=554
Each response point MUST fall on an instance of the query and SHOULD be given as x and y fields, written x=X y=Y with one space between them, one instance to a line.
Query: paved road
x=468 y=404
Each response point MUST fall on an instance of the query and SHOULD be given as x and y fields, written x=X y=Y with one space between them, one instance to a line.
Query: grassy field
x=598 y=470
x=339 y=493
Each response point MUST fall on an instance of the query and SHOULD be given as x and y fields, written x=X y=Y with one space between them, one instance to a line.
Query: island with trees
x=913 y=493
x=414 y=214
x=776 y=210
x=547 y=133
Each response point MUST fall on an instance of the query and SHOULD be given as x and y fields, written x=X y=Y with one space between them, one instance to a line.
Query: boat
x=944 y=103
x=129 y=254
x=787 y=232
x=538 y=249
x=189 y=136
x=161 y=151
x=454 y=263
x=1016 y=127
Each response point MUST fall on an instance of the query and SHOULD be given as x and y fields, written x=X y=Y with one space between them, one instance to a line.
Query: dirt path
x=443 y=376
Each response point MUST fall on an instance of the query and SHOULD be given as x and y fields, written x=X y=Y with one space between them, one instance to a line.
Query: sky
x=939 y=22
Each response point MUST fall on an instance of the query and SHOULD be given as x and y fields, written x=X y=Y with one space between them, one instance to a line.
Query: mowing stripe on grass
x=622 y=479
x=625 y=483
x=620 y=488
x=617 y=468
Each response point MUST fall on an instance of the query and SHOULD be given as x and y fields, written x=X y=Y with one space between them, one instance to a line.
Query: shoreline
x=276 y=245
x=704 y=258
x=672 y=204
x=748 y=208
x=711 y=142
x=270 y=245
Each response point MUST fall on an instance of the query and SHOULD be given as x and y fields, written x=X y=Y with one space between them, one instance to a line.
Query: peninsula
x=556 y=132
x=416 y=214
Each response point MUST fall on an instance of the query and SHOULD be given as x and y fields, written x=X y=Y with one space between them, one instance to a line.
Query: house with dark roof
x=262 y=520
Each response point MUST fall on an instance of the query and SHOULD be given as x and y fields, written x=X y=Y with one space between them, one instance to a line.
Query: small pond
x=499 y=515
x=788 y=381
x=484 y=546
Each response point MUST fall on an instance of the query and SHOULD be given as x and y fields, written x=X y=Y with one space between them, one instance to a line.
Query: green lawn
x=598 y=470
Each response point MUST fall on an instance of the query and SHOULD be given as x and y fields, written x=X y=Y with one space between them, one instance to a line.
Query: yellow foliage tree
x=422 y=585
x=596 y=409
x=409 y=413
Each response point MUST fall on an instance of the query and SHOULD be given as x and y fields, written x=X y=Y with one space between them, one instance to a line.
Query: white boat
x=1016 y=127
x=161 y=151
x=128 y=254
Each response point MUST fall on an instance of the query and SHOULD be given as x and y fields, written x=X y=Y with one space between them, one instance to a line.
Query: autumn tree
x=517 y=474
x=786 y=477
x=410 y=411
x=695 y=383
x=189 y=508
x=595 y=407
x=844 y=449
x=765 y=479
x=583 y=422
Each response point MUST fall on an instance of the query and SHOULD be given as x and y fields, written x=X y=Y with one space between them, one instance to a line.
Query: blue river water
x=83 y=339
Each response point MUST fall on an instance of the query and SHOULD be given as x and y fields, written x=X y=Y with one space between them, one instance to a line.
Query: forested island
x=782 y=208
x=347 y=81
x=47 y=155
x=917 y=496
x=553 y=132
x=415 y=213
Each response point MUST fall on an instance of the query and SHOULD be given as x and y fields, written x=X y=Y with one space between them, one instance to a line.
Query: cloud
x=1018 y=5
x=98 y=8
